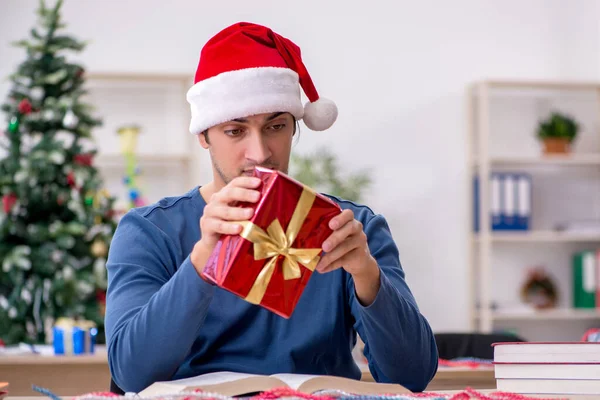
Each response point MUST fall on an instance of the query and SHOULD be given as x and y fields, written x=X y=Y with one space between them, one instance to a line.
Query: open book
x=238 y=384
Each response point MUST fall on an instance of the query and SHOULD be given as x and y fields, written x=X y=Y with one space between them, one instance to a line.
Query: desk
x=90 y=373
x=452 y=378
x=86 y=373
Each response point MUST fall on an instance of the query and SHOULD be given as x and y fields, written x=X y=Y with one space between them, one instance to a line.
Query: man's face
x=237 y=146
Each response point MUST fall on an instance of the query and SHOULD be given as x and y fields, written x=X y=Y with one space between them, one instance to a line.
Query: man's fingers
x=229 y=213
x=232 y=194
x=250 y=182
x=221 y=227
x=340 y=235
x=341 y=219
x=338 y=263
x=338 y=252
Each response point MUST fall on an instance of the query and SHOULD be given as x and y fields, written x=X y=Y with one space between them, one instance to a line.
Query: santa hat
x=247 y=69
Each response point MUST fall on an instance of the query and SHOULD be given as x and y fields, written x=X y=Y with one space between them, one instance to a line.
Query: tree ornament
x=24 y=106
x=99 y=248
x=70 y=120
x=83 y=159
x=49 y=115
x=8 y=202
x=13 y=125
x=36 y=93
x=71 y=179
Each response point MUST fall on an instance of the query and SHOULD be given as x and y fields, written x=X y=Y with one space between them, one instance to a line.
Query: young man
x=164 y=322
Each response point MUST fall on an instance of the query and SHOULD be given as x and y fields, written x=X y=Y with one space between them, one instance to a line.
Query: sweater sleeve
x=154 y=307
x=399 y=343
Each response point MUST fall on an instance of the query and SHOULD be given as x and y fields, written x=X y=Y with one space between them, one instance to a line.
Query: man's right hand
x=220 y=212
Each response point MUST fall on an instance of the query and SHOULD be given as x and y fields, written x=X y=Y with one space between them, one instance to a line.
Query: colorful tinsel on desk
x=290 y=394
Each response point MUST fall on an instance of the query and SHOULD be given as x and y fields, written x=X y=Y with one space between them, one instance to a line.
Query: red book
x=272 y=260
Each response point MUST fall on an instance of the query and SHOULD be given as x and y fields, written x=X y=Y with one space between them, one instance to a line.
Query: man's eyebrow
x=240 y=120
x=272 y=117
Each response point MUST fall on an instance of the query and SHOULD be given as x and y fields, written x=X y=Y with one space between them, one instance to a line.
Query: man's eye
x=234 y=132
x=277 y=127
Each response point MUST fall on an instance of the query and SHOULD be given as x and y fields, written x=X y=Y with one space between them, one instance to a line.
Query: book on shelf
x=239 y=384
x=586 y=279
x=510 y=201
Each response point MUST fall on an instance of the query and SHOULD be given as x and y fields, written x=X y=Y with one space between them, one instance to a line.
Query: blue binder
x=510 y=201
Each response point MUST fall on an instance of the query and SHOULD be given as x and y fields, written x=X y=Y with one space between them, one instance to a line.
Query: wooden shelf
x=543 y=84
x=590 y=159
x=539 y=237
x=547 y=315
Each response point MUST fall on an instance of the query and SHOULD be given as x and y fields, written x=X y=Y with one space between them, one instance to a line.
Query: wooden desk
x=63 y=375
x=453 y=378
x=91 y=374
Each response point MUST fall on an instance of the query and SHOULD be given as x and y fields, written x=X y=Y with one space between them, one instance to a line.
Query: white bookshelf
x=169 y=157
x=502 y=122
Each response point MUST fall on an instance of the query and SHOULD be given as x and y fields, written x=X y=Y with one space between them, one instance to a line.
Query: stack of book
x=562 y=368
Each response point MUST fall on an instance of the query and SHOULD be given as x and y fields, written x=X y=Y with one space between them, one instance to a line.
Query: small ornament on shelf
x=539 y=289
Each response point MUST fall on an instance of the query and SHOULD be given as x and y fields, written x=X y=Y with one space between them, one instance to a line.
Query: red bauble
x=24 y=106
x=71 y=179
x=8 y=201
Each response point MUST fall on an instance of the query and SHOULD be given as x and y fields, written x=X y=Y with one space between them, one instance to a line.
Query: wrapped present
x=272 y=260
x=74 y=337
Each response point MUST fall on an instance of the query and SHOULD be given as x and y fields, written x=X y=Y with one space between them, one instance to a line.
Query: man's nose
x=258 y=150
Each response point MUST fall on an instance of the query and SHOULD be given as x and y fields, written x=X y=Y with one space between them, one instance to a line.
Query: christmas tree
x=56 y=221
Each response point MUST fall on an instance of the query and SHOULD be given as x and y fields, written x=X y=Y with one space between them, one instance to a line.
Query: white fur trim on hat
x=242 y=93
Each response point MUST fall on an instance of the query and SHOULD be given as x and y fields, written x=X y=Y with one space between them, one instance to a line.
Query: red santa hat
x=247 y=69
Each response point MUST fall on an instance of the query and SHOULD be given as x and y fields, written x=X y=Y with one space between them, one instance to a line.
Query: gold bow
x=275 y=242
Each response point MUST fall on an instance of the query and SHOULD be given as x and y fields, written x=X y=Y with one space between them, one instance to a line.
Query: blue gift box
x=71 y=337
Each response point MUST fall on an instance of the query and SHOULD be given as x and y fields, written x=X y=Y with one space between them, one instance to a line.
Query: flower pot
x=556 y=146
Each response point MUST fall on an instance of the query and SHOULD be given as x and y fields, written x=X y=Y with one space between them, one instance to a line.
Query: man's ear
x=203 y=139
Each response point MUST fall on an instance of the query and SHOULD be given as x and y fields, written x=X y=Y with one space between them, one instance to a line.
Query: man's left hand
x=347 y=248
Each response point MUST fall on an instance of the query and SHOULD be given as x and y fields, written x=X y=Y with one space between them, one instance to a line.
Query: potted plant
x=557 y=133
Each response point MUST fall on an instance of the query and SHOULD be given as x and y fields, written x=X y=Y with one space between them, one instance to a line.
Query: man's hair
x=296 y=127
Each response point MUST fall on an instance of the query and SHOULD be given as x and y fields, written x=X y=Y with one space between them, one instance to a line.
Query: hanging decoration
x=128 y=136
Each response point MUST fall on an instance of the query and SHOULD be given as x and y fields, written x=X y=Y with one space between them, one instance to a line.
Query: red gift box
x=272 y=260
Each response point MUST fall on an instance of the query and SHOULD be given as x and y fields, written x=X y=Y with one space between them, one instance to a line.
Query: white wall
x=398 y=71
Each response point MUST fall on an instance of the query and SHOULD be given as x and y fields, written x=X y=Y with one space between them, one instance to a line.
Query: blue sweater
x=164 y=322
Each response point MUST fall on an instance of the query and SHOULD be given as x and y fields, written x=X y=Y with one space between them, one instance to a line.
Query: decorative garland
x=288 y=393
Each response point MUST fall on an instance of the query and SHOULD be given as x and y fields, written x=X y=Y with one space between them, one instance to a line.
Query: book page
x=294 y=380
x=213 y=378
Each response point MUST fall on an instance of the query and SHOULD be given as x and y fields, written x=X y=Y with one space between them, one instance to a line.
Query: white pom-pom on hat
x=320 y=115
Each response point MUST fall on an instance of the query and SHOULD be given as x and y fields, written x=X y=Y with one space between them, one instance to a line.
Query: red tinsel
x=24 y=106
x=8 y=201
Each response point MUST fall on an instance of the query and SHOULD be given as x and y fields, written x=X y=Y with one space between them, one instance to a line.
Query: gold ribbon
x=275 y=242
